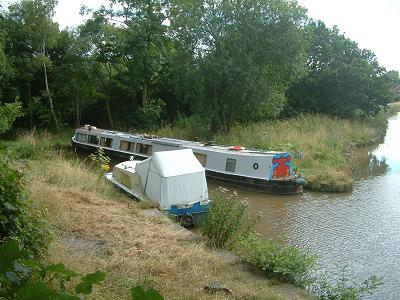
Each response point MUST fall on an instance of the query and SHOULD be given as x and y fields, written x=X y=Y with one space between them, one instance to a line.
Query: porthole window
x=255 y=166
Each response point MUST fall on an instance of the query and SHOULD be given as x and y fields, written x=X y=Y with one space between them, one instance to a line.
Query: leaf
x=10 y=207
x=138 y=293
x=9 y=253
x=34 y=291
x=85 y=286
x=61 y=271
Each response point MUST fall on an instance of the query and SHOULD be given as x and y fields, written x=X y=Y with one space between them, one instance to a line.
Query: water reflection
x=359 y=229
x=390 y=149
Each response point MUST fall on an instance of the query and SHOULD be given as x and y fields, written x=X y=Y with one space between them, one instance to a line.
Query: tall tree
x=247 y=52
x=34 y=18
x=107 y=45
x=145 y=31
x=342 y=79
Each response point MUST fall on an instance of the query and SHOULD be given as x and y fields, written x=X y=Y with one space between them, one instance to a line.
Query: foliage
x=101 y=162
x=138 y=293
x=276 y=260
x=149 y=62
x=342 y=79
x=299 y=267
x=8 y=113
x=227 y=220
x=148 y=117
x=22 y=277
x=16 y=220
x=340 y=284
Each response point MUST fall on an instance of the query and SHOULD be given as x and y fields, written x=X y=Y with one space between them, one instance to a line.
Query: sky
x=373 y=24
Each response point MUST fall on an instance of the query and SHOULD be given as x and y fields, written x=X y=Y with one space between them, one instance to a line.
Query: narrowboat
x=174 y=180
x=264 y=171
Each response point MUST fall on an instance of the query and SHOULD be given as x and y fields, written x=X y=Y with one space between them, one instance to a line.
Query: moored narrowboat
x=264 y=171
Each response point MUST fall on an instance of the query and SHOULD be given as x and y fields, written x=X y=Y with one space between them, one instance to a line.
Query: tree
x=75 y=74
x=34 y=19
x=247 y=54
x=145 y=33
x=107 y=44
x=342 y=79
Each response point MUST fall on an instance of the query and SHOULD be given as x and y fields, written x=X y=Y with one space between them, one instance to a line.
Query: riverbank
x=97 y=228
x=322 y=147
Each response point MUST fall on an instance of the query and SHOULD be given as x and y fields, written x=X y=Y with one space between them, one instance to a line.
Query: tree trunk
x=77 y=110
x=144 y=94
x=30 y=104
x=108 y=106
x=215 y=122
x=145 y=69
x=53 y=114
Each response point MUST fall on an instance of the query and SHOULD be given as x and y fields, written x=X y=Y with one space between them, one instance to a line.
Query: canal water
x=360 y=229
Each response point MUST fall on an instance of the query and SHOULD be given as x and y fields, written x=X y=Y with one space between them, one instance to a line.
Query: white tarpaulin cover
x=173 y=178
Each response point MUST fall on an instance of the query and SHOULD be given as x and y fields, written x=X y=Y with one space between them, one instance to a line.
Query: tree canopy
x=138 y=64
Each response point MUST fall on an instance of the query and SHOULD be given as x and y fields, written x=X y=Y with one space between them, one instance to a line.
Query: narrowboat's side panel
x=279 y=187
x=255 y=166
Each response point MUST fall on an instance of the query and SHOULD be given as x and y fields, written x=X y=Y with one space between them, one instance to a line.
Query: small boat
x=264 y=171
x=174 y=180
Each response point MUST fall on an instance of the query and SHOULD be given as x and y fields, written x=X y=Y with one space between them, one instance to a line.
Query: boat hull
x=277 y=187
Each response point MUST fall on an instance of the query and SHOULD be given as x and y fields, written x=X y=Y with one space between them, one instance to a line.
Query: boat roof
x=180 y=143
x=176 y=163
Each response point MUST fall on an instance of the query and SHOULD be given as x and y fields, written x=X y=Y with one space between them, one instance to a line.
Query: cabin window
x=143 y=149
x=122 y=178
x=92 y=139
x=105 y=142
x=230 y=165
x=124 y=145
x=80 y=137
x=127 y=146
x=202 y=158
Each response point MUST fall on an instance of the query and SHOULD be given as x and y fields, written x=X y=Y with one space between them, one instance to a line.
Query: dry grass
x=99 y=228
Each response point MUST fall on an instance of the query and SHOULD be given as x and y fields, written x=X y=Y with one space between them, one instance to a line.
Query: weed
x=100 y=162
x=227 y=219
x=283 y=262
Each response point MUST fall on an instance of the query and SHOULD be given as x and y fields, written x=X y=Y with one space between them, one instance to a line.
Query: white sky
x=373 y=24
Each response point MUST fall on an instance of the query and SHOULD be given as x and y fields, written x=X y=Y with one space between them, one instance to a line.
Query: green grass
x=326 y=143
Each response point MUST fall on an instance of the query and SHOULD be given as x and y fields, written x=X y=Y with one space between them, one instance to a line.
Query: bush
x=227 y=220
x=283 y=262
x=16 y=221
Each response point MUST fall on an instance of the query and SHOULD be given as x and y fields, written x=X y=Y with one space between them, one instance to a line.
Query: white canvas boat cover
x=173 y=178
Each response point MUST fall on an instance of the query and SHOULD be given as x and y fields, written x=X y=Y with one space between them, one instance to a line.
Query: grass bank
x=97 y=228
x=322 y=146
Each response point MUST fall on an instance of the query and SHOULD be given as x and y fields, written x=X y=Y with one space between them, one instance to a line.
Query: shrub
x=16 y=221
x=8 y=113
x=227 y=220
x=100 y=162
x=283 y=262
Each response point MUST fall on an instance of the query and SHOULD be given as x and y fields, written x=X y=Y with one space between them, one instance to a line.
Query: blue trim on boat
x=197 y=208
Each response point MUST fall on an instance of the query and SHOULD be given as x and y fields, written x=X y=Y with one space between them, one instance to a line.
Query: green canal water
x=360 y=229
